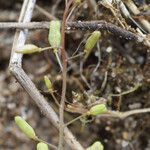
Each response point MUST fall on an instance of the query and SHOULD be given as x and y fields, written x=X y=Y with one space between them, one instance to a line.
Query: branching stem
x=64 y=74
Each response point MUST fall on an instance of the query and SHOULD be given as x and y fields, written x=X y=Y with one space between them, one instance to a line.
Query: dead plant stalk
x=16 y=69
x=64 y=74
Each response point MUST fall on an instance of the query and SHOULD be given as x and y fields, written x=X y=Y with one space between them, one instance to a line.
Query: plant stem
x=73 y=57
x=55 y=99
x=58 y=59
x=49 y=144
x=127 y=92
x=45 y=48
x=64 y=74
x=70 y=122
x=123 y=115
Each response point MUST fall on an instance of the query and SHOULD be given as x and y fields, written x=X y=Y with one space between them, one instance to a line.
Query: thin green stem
x=127 y=92
x=58 y=59
x=79 y=117
x=45 y=48
x=78 y=55
x=55 y=99
x=49 y=144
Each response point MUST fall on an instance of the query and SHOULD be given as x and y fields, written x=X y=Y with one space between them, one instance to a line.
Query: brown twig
x=88 y=25
x=123 y=115
x=64 y=75
x=16 y=69
x=43 y=11
x=103 y=25
x=54 y=8
x=115 y=114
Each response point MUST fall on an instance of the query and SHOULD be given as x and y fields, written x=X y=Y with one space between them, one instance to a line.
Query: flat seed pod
x=96 y=146
x=42 y=146
x=91 y=41
x=97 y=109
x=48 y=83
x=29 y=49
x=54 y=36
x=77 y=2
x=25 y=127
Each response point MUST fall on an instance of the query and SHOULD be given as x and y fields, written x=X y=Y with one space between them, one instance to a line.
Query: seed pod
x=29 y=49
x=96 y=146
x=48 y=83
x=54 y=36
x=25 y=127
x=97 y=109
x=77 y=2
x=91 y=41
x=42 y=146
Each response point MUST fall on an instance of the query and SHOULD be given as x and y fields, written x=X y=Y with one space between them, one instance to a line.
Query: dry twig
x=88 y=25
x=25 y=81
x=64 y=75
x=123 y=115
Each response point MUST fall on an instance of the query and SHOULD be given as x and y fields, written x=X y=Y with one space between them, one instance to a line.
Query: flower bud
x=42 y=146
x=54 y=36
x=48 y=83
x=29 y=49
x=91 y=41
x=97 y=109
x=25 y=127
x=96 y=146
